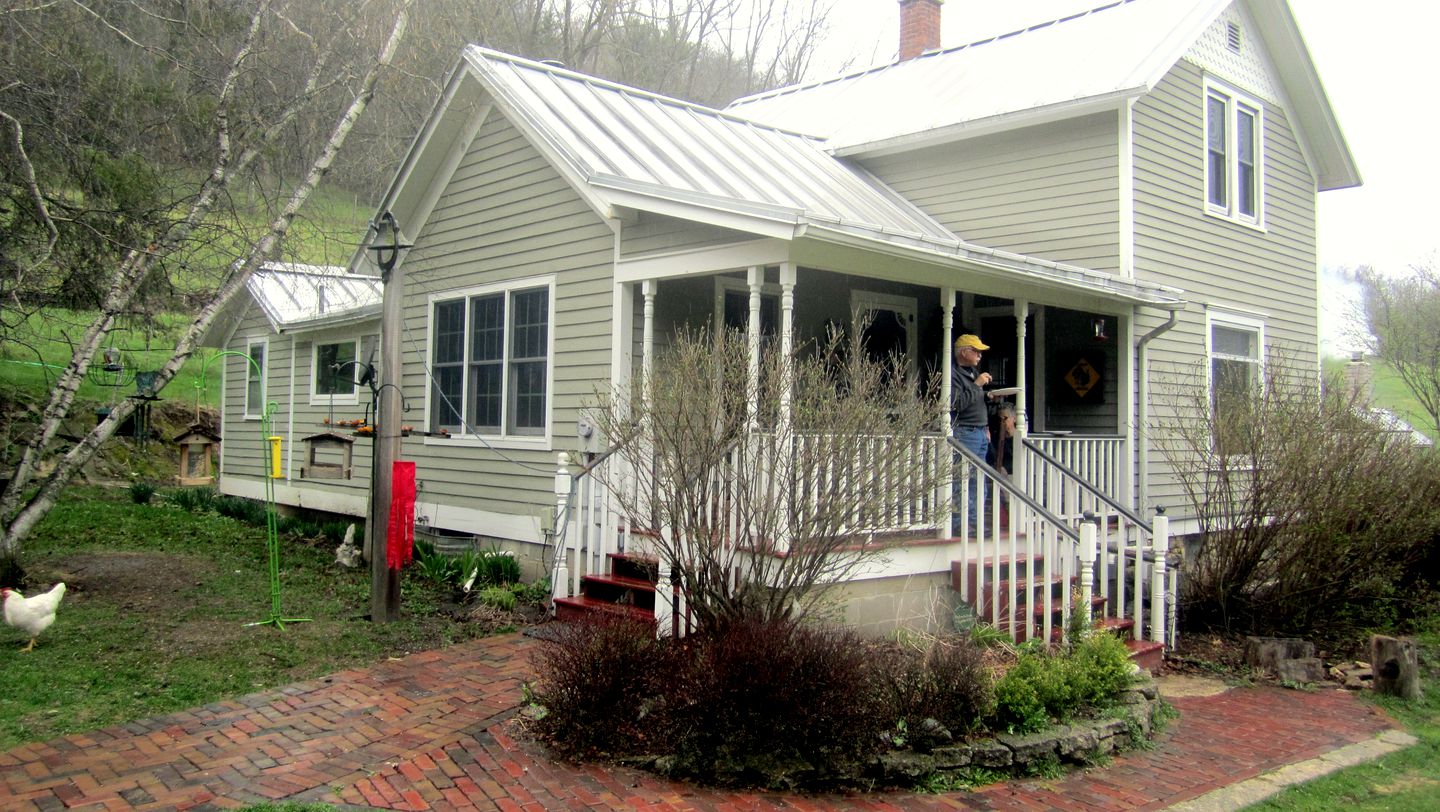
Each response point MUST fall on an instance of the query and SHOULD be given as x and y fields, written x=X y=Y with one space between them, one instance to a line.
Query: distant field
x=1390 y=392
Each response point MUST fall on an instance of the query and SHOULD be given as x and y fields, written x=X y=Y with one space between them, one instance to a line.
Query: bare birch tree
x=333 y=83
x=758 y=514
x=1403 y=317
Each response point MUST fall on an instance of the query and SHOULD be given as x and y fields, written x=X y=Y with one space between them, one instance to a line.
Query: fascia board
x=550 y=146
x=303 y=326
x=1074 y=108
x=1319 y=129
x=406 y=170
x=777 y=223
x=709 y=260
x=992 y=261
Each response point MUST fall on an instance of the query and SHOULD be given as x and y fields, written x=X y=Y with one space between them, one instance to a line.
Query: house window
x=1236 y=354
x=1234 y=168
x=490 y=357
x=255 y=381
x=334 y=379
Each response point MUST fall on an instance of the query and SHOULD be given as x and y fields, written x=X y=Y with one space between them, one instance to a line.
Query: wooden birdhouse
x=197 y=455
x=327 y=456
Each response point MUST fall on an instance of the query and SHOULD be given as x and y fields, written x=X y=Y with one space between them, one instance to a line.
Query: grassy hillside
x=1389 y=392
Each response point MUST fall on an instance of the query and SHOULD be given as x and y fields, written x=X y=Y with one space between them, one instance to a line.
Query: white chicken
x=31 y=615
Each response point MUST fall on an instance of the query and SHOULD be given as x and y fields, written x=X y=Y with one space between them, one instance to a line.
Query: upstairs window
x=1233 y=155
x=490 y=362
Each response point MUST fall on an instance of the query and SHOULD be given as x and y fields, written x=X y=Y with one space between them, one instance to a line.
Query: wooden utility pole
x=385 y=582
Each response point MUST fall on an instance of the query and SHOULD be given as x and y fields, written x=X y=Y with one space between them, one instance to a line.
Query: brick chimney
x=919 y=27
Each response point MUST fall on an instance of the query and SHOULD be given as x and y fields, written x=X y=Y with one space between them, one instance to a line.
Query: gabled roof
x=307 y=297
x=623 y=148
x=1083 y=62
x=625 y=143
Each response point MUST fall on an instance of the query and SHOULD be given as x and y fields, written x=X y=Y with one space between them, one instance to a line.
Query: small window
x=1236 y=375
x=335 y=371
x=1234 y=169
x=490 y=362
x=255 y=381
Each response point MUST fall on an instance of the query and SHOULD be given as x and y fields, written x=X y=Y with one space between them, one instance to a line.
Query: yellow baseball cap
x=971 y=341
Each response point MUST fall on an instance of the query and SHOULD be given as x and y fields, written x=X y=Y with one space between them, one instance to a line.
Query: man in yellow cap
x=969 y=410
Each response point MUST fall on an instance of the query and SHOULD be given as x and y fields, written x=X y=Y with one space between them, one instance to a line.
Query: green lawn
x=155 y=619
x=1391 y=393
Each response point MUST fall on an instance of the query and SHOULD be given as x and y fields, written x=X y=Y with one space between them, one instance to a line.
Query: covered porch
x=1063 y=351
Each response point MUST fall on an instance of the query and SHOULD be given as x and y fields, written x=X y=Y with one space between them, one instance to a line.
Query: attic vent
x=1232 y=36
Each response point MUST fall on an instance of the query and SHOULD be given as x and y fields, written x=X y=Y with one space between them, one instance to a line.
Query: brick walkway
x=434 y=732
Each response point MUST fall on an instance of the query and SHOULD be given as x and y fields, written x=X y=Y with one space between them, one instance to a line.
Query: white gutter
x=1142 y=432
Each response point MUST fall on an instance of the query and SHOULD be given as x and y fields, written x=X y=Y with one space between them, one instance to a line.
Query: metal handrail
x=1015 y=493
x=1089 y=486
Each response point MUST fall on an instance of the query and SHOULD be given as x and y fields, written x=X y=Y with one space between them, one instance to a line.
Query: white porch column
x=1022 y=417
x=787 y=332
x=755 y=278
x=947 y=354
x=947 y=362
x=647 y=362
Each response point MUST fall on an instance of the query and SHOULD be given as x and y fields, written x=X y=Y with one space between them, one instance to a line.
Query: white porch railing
x=1025 y=533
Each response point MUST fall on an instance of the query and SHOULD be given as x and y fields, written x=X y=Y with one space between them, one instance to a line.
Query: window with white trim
x=1234 y=155
x=490 y=362
x=1236 y=349
x=255 y=381
x=335 y=371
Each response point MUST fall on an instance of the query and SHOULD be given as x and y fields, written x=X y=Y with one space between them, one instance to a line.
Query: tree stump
x=1396 y=666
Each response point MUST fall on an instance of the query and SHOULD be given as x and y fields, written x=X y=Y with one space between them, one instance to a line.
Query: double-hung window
x=1234 y=166
x=1237 y=352
x=490 y=362
x=335 y=371
x=255 y=380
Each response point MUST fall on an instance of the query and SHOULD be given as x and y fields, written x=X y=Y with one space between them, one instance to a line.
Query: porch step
x=1027 y=575
x=581 y=607
x=1147 y=654
x=628 y=590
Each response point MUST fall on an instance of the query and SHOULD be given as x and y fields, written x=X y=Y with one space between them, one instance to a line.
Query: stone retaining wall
x=1080 y=743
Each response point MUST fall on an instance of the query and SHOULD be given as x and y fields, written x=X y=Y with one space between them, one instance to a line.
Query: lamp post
x=385 y=582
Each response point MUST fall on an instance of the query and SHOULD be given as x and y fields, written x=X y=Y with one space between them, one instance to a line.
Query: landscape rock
x=1304 y=670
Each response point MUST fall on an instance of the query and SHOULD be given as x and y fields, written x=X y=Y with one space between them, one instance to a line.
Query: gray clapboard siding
x=659 y=233
x=1269 y=273
x=1049 y=191
x=507 y=215
x=241 y=442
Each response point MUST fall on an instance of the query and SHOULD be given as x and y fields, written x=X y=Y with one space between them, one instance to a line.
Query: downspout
x=290 y=418
x=1143 y=401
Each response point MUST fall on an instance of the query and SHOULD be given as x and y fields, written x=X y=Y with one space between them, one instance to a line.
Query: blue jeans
x=977 y=439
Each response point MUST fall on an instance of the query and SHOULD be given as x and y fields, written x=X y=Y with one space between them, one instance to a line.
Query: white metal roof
x=299 y=297
x=1110 y=50
x=1069 y=58
x=619 y=139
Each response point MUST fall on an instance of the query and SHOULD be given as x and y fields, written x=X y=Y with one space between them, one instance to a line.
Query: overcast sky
x=1366 y=53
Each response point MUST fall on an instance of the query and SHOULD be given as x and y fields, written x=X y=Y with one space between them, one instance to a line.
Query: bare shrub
x=1315 y=520
x=946 y=679
x=766 y=487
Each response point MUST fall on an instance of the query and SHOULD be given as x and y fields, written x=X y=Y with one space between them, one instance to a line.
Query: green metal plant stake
x=272 y=533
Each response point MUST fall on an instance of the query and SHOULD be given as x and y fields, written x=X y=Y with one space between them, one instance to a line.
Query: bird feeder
x=197 y=455
x=327 y=456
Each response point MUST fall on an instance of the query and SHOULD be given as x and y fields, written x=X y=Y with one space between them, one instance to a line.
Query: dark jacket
x=967 y=400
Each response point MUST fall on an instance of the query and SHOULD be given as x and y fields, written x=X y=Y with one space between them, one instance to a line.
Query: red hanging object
x=400 y=535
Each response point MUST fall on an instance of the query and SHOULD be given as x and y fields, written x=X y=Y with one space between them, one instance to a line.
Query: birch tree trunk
x=22 y=508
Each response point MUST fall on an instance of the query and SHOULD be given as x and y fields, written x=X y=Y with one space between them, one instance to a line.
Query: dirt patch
x=131 y=580
x=1173 y=685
